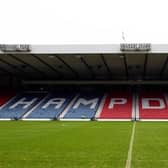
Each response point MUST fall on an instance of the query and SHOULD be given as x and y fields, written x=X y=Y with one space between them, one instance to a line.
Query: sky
x=83 y=21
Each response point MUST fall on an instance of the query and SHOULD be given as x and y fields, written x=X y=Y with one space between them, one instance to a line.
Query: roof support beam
x=163 y=68
x=94 y=82
x=67 y=65
x=88 y=67
x=145 y=65
x=16 y=68
x=46 y=64
x=23 y=62
x=106 y=65
x=126 y=66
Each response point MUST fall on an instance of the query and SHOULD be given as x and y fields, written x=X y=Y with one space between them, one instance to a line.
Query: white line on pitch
x=129 y=157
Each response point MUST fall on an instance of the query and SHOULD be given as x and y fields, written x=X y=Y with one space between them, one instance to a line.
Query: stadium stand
x=20 y=104
x=152 y=105
x=118 y=105
x=92 y=104
x=5 y=96
x=52 y=105
x=126 y=81
x=85 y=106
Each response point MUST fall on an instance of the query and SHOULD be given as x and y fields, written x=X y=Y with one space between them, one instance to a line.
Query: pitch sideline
x=129 y=156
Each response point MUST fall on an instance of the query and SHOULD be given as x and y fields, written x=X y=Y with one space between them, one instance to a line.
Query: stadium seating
x=118 y=105
x=90 y=104
x=20 y=104
x=52 y=105
x=5 y=96
x=152 y=105
x=85 y=106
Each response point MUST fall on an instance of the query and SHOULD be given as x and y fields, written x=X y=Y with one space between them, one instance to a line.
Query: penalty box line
x=130 y=149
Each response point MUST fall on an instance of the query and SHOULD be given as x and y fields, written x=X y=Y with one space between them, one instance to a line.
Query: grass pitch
x=64 y=144
x=150 y=149
x=82 y=144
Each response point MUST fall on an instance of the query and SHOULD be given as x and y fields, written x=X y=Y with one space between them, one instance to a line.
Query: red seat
x=119 y=110
x=153 y=113
x=6 y=96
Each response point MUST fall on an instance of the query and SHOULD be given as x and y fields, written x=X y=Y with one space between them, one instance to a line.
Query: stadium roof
x=88 y=63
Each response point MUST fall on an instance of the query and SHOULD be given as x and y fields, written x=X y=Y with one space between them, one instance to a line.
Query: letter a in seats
x=58 y=102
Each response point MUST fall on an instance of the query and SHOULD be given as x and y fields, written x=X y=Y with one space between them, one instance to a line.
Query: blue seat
x=19 y=110
x=84 y=111
x=50 y=111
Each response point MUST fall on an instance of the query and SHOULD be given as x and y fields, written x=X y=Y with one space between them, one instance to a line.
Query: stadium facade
x=84 y=82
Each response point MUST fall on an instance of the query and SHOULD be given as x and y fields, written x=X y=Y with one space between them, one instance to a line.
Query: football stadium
x=84 y=106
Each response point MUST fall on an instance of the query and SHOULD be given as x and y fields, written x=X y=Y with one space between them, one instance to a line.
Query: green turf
x=150 y=148
x=64 y=144
x=82 y=144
